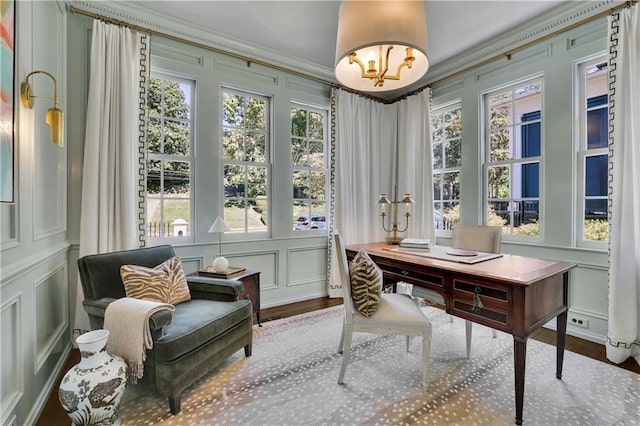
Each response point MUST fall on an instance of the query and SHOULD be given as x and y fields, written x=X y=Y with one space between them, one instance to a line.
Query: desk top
x=509 y=268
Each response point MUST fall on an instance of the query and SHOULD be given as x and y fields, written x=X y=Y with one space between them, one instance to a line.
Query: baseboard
x=303 y=298
x=579 y=333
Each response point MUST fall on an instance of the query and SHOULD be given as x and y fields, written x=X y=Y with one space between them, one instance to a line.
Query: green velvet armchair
x=187 y=343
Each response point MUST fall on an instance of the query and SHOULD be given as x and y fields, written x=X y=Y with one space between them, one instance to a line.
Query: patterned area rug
x=291 y=379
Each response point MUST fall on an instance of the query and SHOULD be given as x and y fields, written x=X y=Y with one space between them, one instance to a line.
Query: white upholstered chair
x=468 y=237
x=396 y=314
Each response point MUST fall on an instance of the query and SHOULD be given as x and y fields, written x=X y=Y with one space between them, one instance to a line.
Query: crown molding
x=135 y=15
x=563 y=17
x=558 y=19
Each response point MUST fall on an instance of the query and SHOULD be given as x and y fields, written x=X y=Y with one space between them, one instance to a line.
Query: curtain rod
x=509 y=53
x=250 y=60
x=247 y=59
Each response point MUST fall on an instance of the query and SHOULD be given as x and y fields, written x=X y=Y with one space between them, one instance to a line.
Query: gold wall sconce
x=54 y=116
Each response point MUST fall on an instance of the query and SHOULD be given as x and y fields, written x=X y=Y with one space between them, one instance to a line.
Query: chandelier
x=381 y=45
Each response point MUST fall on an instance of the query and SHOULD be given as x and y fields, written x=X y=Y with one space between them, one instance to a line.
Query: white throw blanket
x=127 y=320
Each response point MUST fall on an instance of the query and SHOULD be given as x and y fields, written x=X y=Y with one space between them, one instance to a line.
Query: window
x=513 y=123
x=169 y=157
x=447 y=161
x=245 y=145
x=593 y=151
x=309 y=166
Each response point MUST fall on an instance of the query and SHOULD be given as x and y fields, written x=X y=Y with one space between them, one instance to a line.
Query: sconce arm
x=26 y=91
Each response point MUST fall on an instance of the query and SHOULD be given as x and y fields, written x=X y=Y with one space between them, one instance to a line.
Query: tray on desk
x=232 y=272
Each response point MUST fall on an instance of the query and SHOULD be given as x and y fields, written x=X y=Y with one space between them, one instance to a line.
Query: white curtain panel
x=365 y=138
x=414 y=162
x=109 y=210
x=623 y=340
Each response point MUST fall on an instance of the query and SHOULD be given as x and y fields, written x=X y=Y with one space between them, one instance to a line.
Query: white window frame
x=582 y=152
x=167 y=157
x=441 y=109
x=325 y=142
x=486 y=164
x=246 y=234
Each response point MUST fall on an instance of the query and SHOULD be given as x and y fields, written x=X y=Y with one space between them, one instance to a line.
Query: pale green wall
x=292 y=264
x=34 y=303
x=554 y=59
x=40 y=232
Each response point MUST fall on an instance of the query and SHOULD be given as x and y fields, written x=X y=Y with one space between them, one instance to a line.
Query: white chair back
x=345 y=280
x=477 y=237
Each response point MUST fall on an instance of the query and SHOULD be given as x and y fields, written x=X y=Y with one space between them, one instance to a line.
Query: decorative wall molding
x=191 y=259
x=29 y=263
x=312 y=250
x=137 y=16
x=48 y=387
x=59 y=278
x=248 y=71
x=275 y=254
x=13 y=346
x=548 y=23
x=161 y=50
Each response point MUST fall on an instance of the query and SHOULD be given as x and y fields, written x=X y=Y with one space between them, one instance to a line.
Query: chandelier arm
x=352 y=59
x=383 y=70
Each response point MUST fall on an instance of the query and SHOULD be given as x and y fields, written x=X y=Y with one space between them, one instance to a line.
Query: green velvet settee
x=187 y=343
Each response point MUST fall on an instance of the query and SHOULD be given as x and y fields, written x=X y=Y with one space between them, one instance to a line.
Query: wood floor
x=54 y=415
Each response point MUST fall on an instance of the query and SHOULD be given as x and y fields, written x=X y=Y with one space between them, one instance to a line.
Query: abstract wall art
x=7 y=53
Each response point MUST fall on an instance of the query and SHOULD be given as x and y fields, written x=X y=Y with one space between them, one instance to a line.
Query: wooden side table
x=250 y=289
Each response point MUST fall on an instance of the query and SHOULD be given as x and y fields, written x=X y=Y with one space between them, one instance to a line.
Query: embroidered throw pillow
x=165 y=283
x=366 y=284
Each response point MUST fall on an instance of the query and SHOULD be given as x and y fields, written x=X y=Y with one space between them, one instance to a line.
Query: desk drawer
x=423 y=277
x=482 y=302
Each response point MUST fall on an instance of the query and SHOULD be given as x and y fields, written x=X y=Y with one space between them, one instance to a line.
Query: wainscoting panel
x=11 y=367
x=265 y=261
x=307 y=265
x=9 y=220
x=192 y=263
x=51 y=313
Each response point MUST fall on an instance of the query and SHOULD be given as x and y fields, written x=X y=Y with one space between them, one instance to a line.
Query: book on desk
x=412 y=244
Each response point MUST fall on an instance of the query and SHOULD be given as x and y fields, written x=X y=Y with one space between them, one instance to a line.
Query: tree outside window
x=309 y=167
x=513 y=154
x=169 y=158
x=447 y=162
x=245 y=146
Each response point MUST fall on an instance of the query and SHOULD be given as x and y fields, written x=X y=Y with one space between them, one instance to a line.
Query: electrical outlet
x=578 y=320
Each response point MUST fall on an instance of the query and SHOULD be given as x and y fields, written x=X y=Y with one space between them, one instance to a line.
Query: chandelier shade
x=381 y=45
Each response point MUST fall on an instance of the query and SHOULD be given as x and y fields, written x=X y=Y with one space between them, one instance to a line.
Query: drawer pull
x=477 y=303
x=405 y=273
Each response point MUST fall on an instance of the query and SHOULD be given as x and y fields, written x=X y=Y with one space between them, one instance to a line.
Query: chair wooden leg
x=247 y=350
x=174 y=404
x=468 y=324
x=346 y=350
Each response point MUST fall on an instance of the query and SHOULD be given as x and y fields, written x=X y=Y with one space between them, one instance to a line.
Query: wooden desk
x=513 y=294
